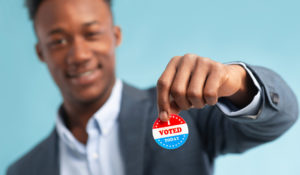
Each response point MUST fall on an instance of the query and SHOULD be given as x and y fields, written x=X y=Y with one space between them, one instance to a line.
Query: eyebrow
x=55 y=31
x=90 y=23
x=60 y=30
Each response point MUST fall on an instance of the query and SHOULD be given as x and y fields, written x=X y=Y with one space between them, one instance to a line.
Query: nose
x=79 y=53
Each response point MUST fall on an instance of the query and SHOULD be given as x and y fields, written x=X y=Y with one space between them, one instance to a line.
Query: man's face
x=77 y=41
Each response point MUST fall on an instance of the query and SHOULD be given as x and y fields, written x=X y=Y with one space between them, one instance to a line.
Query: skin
x=77 y=41
x=191 y=81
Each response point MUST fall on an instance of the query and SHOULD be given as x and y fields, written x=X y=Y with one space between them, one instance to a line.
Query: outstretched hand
x=191 y=81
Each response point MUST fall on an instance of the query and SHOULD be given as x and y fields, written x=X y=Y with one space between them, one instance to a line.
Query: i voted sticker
x=172 y=134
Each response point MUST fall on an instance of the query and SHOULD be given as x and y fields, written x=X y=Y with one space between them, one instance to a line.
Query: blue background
x=262 y=32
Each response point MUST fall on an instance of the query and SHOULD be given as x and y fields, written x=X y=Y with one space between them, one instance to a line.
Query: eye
x=93 y=35
x=57 y=42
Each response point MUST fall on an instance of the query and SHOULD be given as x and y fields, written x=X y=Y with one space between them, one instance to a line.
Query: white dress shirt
x=101 y=155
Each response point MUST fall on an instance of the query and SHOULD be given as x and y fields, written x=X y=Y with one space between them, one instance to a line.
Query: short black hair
x=33 y=6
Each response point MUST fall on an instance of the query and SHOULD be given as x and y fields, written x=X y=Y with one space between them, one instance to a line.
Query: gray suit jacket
x=211 y=133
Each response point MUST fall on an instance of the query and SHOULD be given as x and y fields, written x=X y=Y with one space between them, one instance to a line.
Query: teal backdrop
x=261 y=32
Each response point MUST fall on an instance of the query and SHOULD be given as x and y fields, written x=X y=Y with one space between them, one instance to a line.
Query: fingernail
x=163 y=115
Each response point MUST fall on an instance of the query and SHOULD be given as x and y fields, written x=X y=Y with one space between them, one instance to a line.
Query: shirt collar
x=105 y=117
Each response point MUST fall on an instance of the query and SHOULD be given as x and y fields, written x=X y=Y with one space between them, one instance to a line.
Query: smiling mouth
x=85 y=78
x=83 y=74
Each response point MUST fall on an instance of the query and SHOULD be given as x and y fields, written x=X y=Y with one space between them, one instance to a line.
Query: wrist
x=246 y=91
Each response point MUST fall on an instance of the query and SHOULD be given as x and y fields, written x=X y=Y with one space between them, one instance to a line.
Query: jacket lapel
x=133 y=113
x=132 y=119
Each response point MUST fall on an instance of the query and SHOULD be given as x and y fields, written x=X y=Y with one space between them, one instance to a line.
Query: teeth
x=85 y=73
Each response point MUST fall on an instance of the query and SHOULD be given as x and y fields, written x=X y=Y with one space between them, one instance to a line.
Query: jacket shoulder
x=38 y=157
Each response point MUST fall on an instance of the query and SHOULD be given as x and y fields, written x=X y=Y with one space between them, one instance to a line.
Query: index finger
x=163 y=88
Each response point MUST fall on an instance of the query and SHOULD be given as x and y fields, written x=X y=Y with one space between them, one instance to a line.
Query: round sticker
x=171 y=134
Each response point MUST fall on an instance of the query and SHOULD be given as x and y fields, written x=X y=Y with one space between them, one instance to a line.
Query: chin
x=90 y=97
x=96 y=94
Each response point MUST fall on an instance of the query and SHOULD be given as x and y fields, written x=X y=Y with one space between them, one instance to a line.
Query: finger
x=181 y=81
x=163 y=89
x=213 y=83
x=195 y=89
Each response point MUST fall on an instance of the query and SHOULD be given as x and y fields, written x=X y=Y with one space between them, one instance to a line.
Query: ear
x=39 y=52
x=118 y=35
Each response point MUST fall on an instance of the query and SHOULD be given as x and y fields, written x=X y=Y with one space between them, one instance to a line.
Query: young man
x=104 y=126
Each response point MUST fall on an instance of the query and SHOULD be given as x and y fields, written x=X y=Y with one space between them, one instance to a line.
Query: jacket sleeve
x=227 y=134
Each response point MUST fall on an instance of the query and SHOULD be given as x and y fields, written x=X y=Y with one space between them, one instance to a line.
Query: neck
x=78 y=114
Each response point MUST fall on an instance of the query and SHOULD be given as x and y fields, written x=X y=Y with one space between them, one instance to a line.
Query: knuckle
x=210 y=94
x=193 y=94
x=225 y=76
x=190 y=55
x=204 y=60
x=177 y=92
x=175 y=58
x=218 y=67
x=162 y=83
